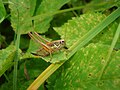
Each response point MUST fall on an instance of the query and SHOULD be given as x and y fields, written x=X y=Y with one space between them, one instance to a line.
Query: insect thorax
x=58 y=44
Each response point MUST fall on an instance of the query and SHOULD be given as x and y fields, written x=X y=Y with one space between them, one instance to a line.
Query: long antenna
x=32 y=37
x=40 y=37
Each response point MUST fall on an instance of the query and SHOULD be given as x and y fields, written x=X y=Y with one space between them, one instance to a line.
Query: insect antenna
x=34 y=38
x=40 y=37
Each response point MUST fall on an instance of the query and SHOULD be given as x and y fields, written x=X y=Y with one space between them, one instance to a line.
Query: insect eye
x=62 y=41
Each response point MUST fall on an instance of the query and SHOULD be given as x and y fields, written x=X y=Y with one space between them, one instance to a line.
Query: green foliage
x=92 y=54
x=103 y=6
x=2 y=12
x=78 y=27
x=85 y=39
x=34 y=68
x=23 y=9
x=26 y=12
x=6 y=58
x=84 y=68
x=47 y=7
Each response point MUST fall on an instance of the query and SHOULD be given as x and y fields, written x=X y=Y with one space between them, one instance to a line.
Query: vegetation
x=90 y=59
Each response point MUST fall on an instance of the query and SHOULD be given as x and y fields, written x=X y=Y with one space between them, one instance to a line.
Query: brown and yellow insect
x=48 y=47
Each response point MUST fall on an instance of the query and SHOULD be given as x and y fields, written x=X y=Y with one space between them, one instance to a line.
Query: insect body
x=48 y=47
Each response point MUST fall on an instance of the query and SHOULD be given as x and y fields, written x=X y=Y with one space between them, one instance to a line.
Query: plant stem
x=45 y=74
x=6 y=77
x=16 y=63
x=16 y=59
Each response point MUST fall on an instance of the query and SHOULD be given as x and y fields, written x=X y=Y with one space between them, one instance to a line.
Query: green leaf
x=33 y=6
x=79 y=26
x=84 y=68
x=101 y=5
x=20 y=10
x=26 y=10
x=76 y=28
x=2 y=11
x=6 y=58
x=93 y=32
x=47 y=7
x=114 y=41
x=72 y=31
